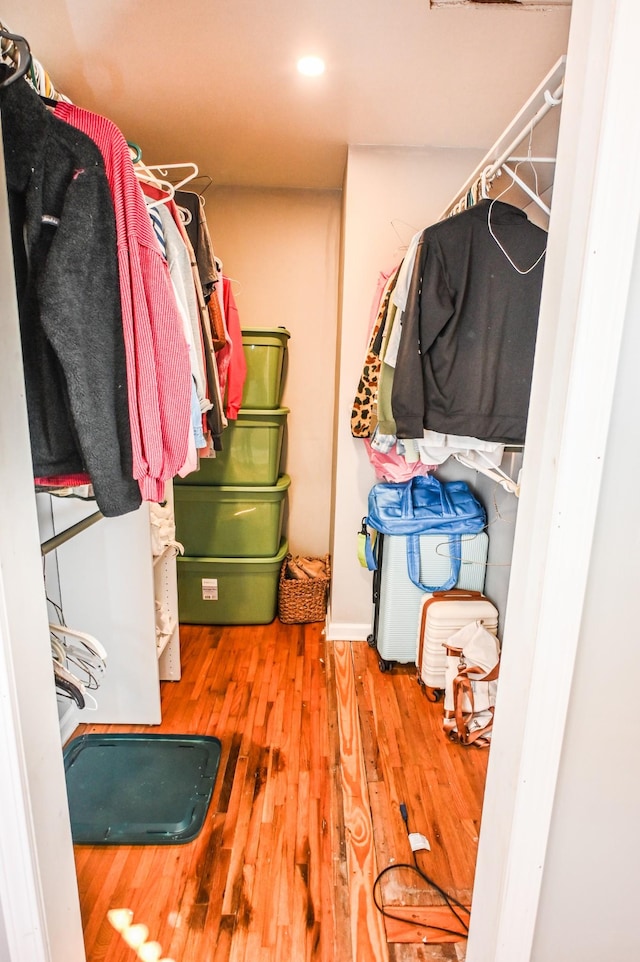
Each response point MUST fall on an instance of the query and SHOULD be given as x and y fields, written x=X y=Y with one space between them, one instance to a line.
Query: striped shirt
x=157 y=355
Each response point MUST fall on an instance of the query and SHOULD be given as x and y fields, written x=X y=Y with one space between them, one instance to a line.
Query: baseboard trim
x=347 y=631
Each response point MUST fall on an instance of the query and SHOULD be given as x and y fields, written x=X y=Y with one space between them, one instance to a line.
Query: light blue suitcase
x=397 y=600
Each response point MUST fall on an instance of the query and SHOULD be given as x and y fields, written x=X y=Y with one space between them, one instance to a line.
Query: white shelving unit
x=108 y=583
x=165 y=584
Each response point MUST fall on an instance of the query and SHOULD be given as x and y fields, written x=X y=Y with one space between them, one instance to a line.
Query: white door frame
x=39 y=906
x=593 y=227
x=590 y=262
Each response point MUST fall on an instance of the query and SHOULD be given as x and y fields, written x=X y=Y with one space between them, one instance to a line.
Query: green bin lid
x=250 y=334
x=266 y=491
x=194 y=561
x=273 y=413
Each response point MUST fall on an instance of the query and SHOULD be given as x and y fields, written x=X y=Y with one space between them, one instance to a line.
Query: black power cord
x=451 y=902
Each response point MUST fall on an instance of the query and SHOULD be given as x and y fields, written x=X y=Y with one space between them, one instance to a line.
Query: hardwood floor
x=318 y=751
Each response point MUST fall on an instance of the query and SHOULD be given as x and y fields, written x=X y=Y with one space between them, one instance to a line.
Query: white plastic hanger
x=146 y=174
x=89 y=641
x=85 y=662
x=163 y=170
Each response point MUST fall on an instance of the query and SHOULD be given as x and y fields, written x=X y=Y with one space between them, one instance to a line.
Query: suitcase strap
x=413 y=562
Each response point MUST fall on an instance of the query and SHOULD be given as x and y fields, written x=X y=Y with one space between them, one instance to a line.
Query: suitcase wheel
x=371 y=641
x=384 y=665
x=433 y=694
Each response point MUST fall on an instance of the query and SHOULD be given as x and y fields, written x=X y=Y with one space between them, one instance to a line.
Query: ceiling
x=214 y=81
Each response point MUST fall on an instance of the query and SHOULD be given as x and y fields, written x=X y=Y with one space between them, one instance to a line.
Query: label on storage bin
x=209 y=589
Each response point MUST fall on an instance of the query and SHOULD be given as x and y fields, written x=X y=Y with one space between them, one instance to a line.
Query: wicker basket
x=303 y=601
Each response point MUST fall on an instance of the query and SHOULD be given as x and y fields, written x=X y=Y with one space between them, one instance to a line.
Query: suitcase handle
x=460 y=593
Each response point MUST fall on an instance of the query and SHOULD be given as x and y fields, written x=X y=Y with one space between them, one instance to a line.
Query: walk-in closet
x=237 y=268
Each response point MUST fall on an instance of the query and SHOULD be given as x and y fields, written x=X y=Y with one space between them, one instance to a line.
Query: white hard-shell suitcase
x=441 y=615
x=397 y=600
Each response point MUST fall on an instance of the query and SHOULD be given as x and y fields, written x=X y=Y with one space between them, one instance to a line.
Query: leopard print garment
x=362 y=414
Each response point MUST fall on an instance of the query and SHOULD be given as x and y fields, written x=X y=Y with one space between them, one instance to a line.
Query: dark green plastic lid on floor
x=130 y=789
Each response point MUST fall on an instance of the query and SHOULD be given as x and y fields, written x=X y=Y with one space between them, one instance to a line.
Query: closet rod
x=52 y=543
x=548 y=105
x=539 y=104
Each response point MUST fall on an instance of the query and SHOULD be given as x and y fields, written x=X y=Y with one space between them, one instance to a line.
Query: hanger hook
x=24 y=57
x=551 y=100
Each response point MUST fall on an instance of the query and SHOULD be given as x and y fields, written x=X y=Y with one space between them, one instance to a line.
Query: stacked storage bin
x=230 y=513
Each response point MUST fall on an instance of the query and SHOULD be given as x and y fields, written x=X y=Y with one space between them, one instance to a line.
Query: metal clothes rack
x=59 y=539
x=547 y=95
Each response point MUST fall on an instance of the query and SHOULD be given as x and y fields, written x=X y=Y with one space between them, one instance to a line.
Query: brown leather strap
x=461 y=717
x=461 y=688
x=423 y=622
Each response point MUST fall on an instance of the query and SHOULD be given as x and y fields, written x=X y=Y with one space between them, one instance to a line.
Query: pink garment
x=223 y=356
x=157 y=354
x=393 y=466
x=237 y=370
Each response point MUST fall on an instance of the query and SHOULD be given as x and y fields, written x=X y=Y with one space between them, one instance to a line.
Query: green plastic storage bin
x=251 y=451
x=264 y=351
x=236 y=522
x=229 y=591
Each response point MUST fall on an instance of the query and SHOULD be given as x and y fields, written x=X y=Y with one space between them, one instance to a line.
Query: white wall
x=281 y=247
x=390 y=193
x=592 y=872
x=4 y=946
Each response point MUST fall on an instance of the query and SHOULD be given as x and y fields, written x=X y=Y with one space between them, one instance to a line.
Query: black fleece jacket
x=469 y=329
x=65 y=258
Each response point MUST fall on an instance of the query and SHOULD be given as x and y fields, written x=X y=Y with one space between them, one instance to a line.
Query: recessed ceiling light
x=311 y=66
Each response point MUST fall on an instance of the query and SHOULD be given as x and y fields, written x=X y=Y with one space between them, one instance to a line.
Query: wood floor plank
x=334 y=902
x=367 y=929
x=424 y=924
x=318 y=749
x=441 y=785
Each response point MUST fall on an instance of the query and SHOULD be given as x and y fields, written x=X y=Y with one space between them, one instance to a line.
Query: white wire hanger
x=515 y=180
x=495 y=170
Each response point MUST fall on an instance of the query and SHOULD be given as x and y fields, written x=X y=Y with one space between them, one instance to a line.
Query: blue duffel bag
x=424 y=505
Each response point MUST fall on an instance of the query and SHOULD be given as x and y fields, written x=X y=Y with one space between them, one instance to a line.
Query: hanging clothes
x=363 y=412
x=200 y=239
x=219 y=333
x=64 y=245
x=215 y=419
x=176 y=269
x=157 y=356
x=466 y=350
x=237 y=370
x=182 y=277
